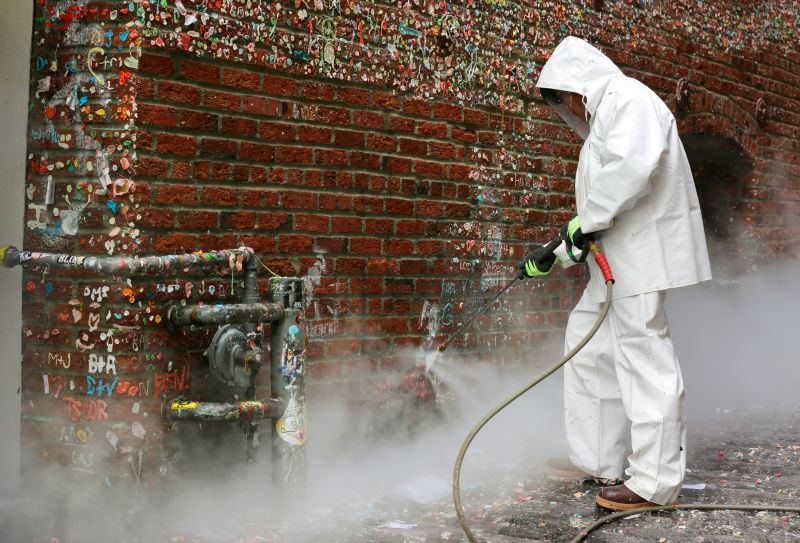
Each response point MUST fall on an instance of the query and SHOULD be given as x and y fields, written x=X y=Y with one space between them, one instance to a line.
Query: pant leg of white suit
x=624 y=388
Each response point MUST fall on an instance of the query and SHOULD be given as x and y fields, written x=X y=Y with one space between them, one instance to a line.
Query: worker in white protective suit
x=634 y=192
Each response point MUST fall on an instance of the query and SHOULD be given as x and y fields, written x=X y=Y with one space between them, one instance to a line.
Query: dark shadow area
x=720 y=168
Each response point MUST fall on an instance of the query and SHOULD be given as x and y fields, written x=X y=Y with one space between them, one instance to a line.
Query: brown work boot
x=621 y=498
x=562 y=468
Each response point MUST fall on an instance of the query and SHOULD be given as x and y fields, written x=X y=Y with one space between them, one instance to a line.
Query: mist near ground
x=735 y=340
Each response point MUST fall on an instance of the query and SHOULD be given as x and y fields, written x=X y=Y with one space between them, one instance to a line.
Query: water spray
x=431 y=357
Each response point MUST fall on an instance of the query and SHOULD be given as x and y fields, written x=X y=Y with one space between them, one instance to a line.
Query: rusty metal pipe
x=127 y=266
x=179 y=316
x=179 y=410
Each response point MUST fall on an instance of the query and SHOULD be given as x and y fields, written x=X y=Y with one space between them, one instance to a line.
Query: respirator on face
x=561 y=103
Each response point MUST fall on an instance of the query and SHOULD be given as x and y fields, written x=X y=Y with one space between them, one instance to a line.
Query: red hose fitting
x=600 y=258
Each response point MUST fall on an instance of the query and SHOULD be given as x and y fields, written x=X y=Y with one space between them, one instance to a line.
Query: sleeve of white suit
x=632 y=141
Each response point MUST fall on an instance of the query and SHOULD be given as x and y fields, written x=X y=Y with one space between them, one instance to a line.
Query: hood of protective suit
x=576 y=66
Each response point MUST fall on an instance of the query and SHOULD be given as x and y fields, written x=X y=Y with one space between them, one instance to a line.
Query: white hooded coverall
x=634 y=190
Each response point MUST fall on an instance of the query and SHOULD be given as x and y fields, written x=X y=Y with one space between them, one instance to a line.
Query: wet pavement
x=748 y=457
x=735 y=458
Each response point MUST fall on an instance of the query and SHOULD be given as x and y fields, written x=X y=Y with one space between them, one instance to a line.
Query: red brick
x=276 y=131
x=344 y=225
x=413 y=267
x=365 y=246
x=158 y=115
x=368 y=119
x=429 y=209
x=364 y=160
x=298 y=200
x=395 y=325
x=330 y=245
x=218 y=148
x=442 y=150
x=295 y=155
x=386 y=101
x=260 y=244
x=171 y=144
x=335 y=202
x=143 y=88
x=155 y=64
x=428 y=247
x=342 y=347
x=199 y=120
x=410 y=228
x=398 y=165
x=382 y=143
x=333 y=115
x=219 y=196
x=397 y=206
x=368 y=204
x=241 y=79
x=256 y=152
x=428 y=169
x=150 y=167
x=318 y=91
x=311 y=223
x=221 y=171
x=472 y=116
x=353 y=96
x=174 y=243
x=468 y=136
x=273 y=221
x=350 y=265
x=398 y=247
x=315 y=134
x=261 y=106
x=200 y=72
x=348 y=138
x=288 y=243
x=279 y=85
x=197 y=220
x=238 y=126
x=438 y=130
x=413 y=146
x=241 y=220
x=447 y=111
x=417 y=107
x=222 y=100
x=330 y=157
x=382 y=266
x=155 y=218
x=400 y=124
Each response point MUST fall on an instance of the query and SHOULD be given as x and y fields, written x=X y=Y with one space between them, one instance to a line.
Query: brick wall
x=393 y=155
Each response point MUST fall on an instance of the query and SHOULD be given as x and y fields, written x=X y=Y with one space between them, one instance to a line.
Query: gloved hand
x=574 y=233
x=539 y=262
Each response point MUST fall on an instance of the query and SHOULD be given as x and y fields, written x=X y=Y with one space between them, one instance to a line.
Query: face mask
x=564 y=110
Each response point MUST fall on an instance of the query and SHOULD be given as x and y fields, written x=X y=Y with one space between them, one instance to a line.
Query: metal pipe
x=254 y=330
x=179 y=316
x=288 y=382
x=115 y=266
x=179 y=409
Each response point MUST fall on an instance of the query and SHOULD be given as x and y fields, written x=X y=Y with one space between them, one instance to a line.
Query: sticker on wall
x=292 y=425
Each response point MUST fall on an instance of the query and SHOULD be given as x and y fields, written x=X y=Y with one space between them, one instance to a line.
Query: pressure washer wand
x=550 y=248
